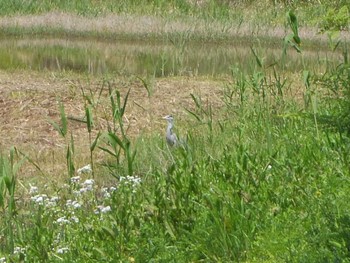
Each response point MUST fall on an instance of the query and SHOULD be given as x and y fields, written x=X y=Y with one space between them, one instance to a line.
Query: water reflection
x=144 y=58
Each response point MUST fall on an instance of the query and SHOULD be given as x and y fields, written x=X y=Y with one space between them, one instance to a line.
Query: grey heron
x=171 y=137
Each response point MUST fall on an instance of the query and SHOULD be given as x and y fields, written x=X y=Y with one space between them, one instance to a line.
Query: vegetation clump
x=263 y=176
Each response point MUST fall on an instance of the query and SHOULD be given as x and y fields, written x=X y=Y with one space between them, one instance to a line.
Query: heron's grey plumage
x=171 y=137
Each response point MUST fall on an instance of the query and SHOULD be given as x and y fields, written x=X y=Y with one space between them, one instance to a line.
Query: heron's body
x=171 y=137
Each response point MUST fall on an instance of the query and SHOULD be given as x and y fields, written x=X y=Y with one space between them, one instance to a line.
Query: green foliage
x=336 y=19
x=293 y=39
x=9 y=167
x=118 y=144
x=260 y=181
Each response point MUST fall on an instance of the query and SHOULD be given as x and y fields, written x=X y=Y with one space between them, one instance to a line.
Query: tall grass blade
x=193 y=114
x=125 y=103
x=64 y=120
x=109 y=151
x=89 y=118
x=146 y=86
x=94 y=143
x=114 y=140
x=257 y=59
x=62 y=128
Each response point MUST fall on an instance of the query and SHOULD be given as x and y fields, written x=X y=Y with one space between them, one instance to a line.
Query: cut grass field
x=262 y=175
x=30 y=100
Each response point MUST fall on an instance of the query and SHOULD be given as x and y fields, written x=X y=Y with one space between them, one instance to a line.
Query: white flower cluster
x=52 y=202
x=87 y=186
x=19 y=250
x=43 y=199
x=2 y=260
x=64 y=221
x=75 y=179
x=74 y=219
x=39 y=199
x=73 y=204
x=133 y=180
x=103 y=209
x=107 y=191
x=62 y=250
x=85 y=170
x=33 y=190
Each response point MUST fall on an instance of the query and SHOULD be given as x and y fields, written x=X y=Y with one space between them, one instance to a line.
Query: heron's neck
x=170 y=127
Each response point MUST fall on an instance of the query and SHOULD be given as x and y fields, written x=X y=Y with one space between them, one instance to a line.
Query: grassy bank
x=259 y=184
x=164 y=20
x=262 y=174
x=263 y=178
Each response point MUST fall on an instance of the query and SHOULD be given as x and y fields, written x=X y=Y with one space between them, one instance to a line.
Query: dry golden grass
x=30 y=99
x=117 y=24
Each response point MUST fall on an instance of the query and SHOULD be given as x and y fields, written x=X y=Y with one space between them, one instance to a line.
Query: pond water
x=125 y=57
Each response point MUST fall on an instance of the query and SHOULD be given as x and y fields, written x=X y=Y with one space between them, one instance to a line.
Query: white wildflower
x=39 y=199
x=73 y=204
x=105 y=192
x=76 y=204
x=33 y=190
x=76 y=192
x=62 y=221
x=86 y=169
x=112 y=189
x=102 y=209
x=106 y=209
x=269 y=167
x=75 y=219
x=62 y=250
x=2 y=260
x=134 y=180
x=88 y=184
x=52 y=201
x=19 y=250
x=75 y=179
x=83 y=190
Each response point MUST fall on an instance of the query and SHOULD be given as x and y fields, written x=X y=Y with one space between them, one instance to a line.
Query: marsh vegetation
x=86 y=174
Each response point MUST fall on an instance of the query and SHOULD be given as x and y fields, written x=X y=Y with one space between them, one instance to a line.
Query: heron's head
x=169 y=118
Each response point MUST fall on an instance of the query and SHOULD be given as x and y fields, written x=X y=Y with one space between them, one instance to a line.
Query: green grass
x=259 y=183
x=265 y=178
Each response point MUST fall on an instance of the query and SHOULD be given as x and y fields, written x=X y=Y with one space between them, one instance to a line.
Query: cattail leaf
x=196 y=100
x=108 y=151
x=94 y=143
x=111 y=97
x=64 y=121
x=194 y=115
x=145 y=85
x=89 y=119
x=257 y=59
x=114 y=140
x=125 y=103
